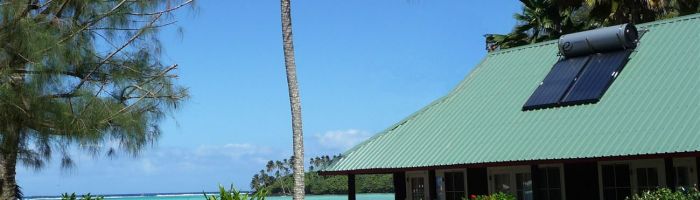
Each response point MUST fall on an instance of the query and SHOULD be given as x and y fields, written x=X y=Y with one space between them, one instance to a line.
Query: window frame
x=442 y=187
x=688 y=162
x=562 y=184
x=633 y=166
x=511 y=171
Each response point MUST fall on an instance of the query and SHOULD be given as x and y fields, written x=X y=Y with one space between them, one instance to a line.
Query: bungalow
x=633 y=130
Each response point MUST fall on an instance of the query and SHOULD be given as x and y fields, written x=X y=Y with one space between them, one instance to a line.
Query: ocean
x=201 y=197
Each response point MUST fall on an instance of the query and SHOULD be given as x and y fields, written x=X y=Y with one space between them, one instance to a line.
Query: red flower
x=472 y=196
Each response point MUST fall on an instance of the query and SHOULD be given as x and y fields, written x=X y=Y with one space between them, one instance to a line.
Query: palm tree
x=312 y=164
x=279 y=166
x=294 y=100
x=540 y=18
x=612 y=12
x=255 y=183
x=270 y=166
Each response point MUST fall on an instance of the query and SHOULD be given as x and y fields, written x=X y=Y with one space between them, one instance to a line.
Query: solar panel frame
x=557 y=83
x=600 y=72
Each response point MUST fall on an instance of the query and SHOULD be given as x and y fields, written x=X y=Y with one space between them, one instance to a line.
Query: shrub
x=233 y=194
x=496 y=196
x=667 y=194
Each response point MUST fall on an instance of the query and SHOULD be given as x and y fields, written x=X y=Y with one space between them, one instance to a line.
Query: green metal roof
x=653 y=107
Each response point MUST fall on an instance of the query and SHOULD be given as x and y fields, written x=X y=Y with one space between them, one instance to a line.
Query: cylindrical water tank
x=610 y=38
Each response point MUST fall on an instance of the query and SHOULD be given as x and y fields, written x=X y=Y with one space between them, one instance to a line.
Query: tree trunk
x=8 y=165
x=294 y=100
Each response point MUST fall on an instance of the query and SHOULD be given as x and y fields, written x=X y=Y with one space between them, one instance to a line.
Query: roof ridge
x=671 y=20
x=548 y=42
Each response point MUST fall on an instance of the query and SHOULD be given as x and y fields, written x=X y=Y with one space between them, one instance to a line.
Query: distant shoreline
x=130 y=195
x=173 y=194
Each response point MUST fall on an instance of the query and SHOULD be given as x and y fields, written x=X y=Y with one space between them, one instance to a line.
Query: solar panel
x=595 y=79
x=556 y=83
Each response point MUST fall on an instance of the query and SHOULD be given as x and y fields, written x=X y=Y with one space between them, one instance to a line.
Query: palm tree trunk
x=8 y=165
x=294 y=100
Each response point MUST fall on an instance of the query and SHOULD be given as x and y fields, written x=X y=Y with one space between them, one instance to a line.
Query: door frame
x=417 y=174
x=440 y=176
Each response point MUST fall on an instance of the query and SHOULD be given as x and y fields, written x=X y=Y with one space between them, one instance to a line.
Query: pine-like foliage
x=84 y=73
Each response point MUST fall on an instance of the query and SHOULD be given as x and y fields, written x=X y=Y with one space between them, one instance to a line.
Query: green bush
x=496 y=196
x=667 y=194
x=233 y=194
x=66 y=196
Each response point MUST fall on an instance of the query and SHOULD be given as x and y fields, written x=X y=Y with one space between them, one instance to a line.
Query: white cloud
x=148 y=166
x=341 y=139
x=233 y=151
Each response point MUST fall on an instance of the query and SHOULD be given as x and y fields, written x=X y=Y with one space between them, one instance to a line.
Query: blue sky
x=363 y=65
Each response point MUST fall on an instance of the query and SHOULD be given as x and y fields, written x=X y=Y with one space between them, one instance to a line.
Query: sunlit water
x=201 y=197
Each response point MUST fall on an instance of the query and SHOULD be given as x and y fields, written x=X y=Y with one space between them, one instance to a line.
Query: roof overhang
x=511 y=163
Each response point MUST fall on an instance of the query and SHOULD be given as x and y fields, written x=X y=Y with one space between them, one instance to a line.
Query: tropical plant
x=611 y=12
x=542 y=20
x=84 y=74
x=233 y=194
x=88 y=196
x=496 y=196
x=294 y=101
x=668 y=194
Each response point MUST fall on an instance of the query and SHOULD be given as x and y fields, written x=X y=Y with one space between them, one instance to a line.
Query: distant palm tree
x=312 y=164
x=255 y=183
x=279 y=166
x=294 y=100
x=270 y=166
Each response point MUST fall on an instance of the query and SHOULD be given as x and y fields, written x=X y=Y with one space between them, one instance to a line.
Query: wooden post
x=400 y=186
x=534 y=175
x=432 y=185
x=351 y=187
x=670 y=173
x=697 y=167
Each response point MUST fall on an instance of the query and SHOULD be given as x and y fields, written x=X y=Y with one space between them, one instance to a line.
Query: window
x=616 y=181
x=620 y=179
x=512 y=180
x=647 y=179
x=683 y=177
x=523 y=189
x=454 y=186
x=685 y=172
x=501 y=183
x=549 y=183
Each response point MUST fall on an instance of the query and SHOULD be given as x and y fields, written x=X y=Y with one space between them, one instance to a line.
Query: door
x=455 y=189
x=417 y=186
x=616 y=181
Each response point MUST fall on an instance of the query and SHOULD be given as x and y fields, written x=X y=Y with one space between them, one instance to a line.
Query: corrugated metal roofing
x=653 y=107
